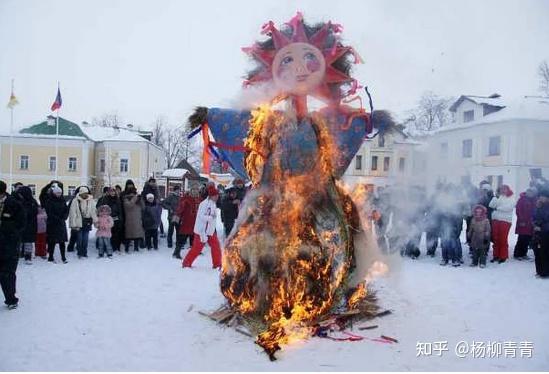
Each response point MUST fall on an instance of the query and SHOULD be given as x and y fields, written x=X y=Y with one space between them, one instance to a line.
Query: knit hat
x=104 y=209
x=83 y=189
x=479 y=212
x=212 y=191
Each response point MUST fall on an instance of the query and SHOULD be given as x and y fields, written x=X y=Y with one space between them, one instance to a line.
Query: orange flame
x=284 y=265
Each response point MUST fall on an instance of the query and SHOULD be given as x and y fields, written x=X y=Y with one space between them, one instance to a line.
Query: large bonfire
x=290 y=263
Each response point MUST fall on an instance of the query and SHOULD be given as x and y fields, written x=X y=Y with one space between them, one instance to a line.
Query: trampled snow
x=140 y=312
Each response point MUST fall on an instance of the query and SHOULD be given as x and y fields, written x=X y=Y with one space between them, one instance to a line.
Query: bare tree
x=430 y=114
x=160 y=131
x=543 y=74
x=174 y=141
x=108 y=120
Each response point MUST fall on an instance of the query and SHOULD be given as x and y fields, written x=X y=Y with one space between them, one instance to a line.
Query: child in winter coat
x=151 y=221
x=40 y=249
x=478 y=236
x=104 y=224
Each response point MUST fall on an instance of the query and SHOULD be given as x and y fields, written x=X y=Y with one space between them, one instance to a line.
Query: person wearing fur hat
x=541 y=234
x=151 y=221
x=503 y=205
x=82 y=216
x=57 y=212
x=478 y=236
x=104 y=225
x=204 y=230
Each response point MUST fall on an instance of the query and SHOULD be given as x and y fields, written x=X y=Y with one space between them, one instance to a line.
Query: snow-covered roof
x=101 y=134
x=178 y=173
x=524 y=108
x=493 y=100
x=219 y=178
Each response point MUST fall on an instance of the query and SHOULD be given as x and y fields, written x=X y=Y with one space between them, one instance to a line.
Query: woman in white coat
x=503 y=205
x=82 y=216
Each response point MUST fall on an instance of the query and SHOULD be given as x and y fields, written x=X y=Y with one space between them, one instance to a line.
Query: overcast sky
x=142 y=59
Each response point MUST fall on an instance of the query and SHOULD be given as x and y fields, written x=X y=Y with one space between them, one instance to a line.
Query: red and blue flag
x=57 y=103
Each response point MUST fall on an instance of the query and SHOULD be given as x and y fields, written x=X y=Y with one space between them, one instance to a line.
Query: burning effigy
x=290 y=262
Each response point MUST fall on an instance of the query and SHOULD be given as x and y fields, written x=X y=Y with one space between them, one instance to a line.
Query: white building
x=384 y=160
x=491 y=138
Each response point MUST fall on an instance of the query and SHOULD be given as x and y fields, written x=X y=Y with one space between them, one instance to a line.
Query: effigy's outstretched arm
x=348 y=129
x=229 y=129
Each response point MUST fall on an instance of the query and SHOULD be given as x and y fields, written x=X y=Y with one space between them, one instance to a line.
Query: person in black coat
x=12 y=223
x=541 y=234
x=111 y=199
x=28 y=235
x=229 y=210
x=45 y=192
x=56 y=229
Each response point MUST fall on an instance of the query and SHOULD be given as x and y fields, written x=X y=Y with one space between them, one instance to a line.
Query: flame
x=287 y=263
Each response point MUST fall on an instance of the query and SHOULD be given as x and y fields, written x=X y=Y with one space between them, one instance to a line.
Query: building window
x=494 y=146
x=358 y=162
x=401 y=163
x=381 y=141
x=52 y=163
x=500 y=181
x=71 y=190
x=123 y=165
x=32 y=188
x=102 y=166
x=386 y=163
x=444 y=150
x=72 y=163
x=24 y=162
x=468 y=116
x=374 y=162
x=467 y=148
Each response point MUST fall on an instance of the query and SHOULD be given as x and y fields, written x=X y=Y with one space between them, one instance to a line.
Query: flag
x=13 y=101
x=57 y=103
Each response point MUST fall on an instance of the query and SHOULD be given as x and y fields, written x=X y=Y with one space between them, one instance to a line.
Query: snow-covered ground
x=138 y=312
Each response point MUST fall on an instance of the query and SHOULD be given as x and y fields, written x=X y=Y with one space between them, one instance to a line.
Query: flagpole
x=11 y=142
x=57 y=141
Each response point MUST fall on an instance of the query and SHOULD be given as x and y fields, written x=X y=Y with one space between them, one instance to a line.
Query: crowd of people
x=125 y=220
x=402 y=215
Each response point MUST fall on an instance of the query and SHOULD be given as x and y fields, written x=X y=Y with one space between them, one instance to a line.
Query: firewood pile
x=249 y=326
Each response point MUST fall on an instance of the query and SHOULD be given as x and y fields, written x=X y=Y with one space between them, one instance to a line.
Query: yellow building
x=88 y=155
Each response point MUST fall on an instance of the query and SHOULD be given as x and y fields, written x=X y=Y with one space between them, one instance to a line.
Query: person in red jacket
x=186 y=211
x=525 y=208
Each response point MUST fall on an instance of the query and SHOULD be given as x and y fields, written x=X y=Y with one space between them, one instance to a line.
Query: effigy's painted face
x=298 y=68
